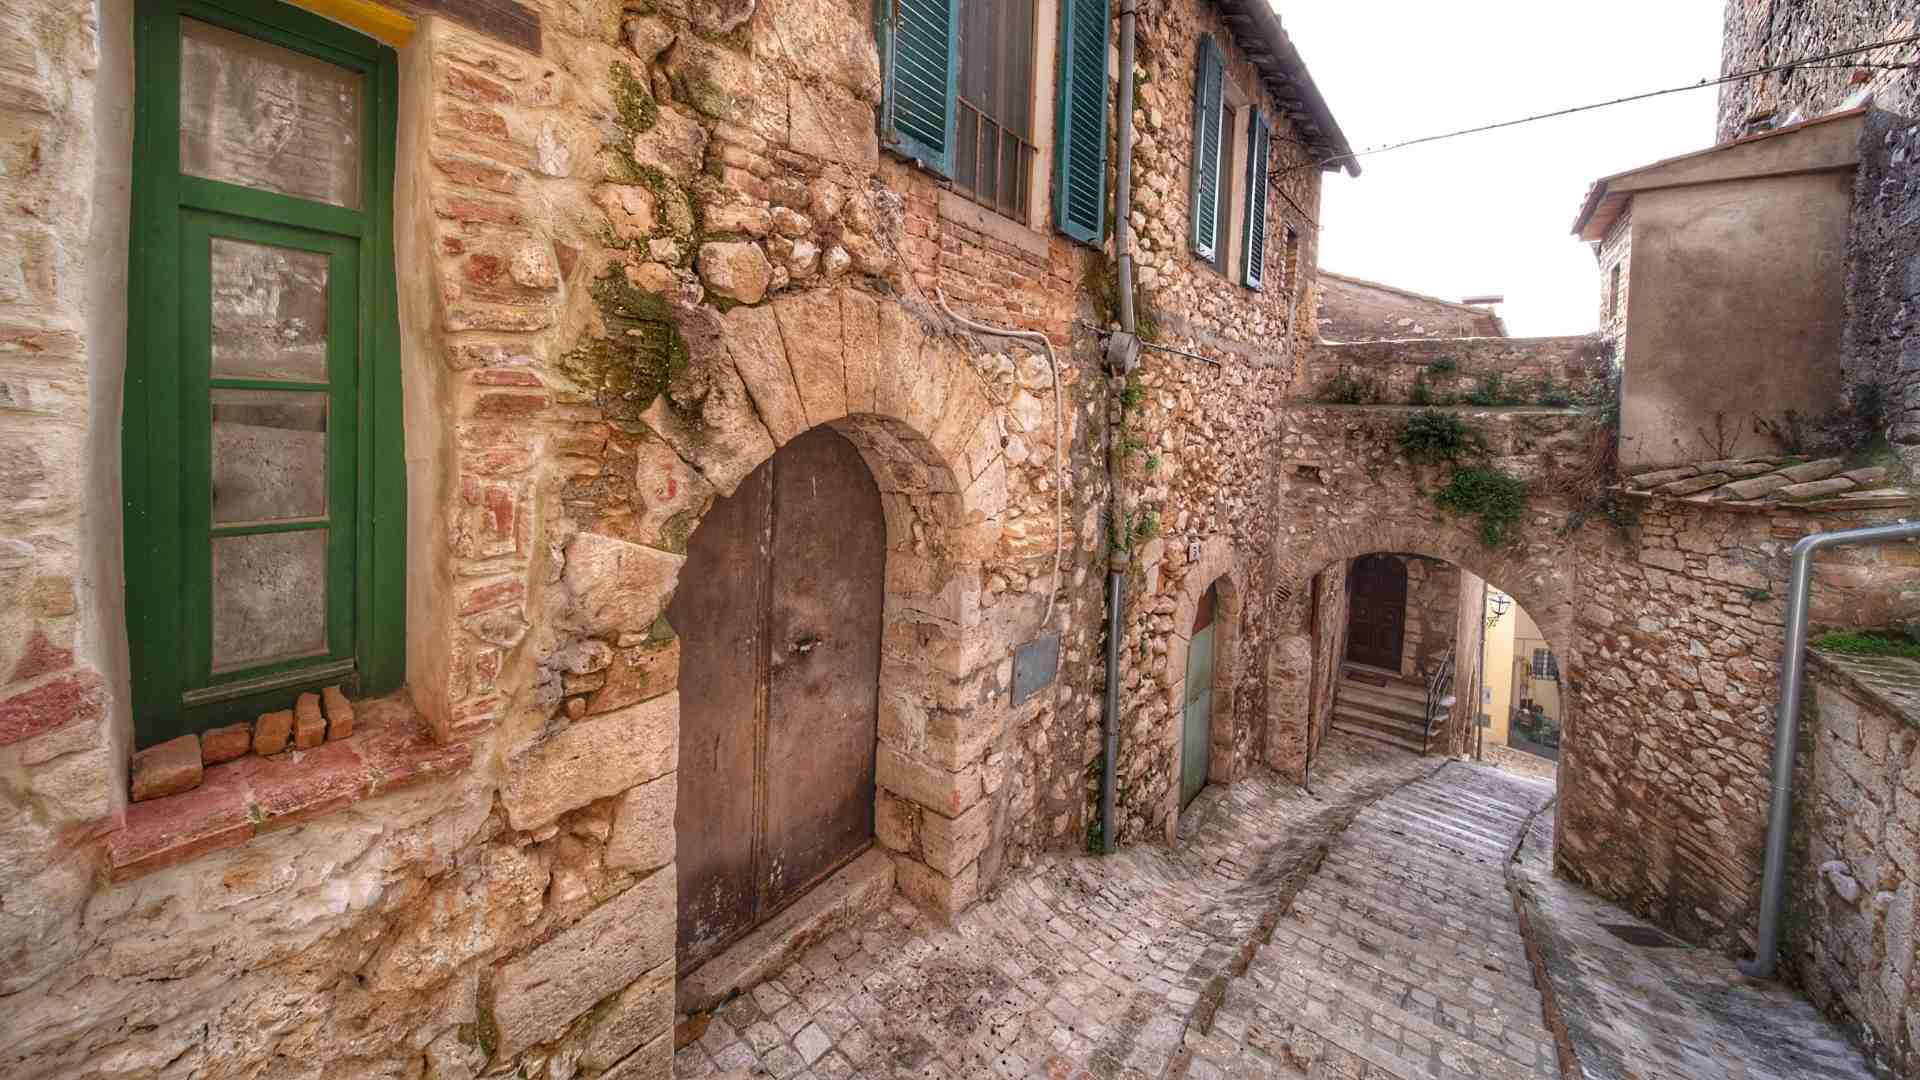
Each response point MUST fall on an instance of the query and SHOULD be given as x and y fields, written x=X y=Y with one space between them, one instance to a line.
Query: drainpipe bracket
x=1123 y=352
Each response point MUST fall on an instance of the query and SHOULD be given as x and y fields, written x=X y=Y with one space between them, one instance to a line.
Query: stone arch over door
x=1216 y=569
x=905 y=394
x=1539 y=575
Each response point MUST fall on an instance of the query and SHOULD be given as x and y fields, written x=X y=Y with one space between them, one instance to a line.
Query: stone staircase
x=1382 y=706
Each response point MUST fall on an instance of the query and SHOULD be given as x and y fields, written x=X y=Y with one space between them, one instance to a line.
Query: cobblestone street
x=1364 y=931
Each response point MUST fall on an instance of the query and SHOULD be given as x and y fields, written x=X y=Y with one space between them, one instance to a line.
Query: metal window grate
x=992 y=164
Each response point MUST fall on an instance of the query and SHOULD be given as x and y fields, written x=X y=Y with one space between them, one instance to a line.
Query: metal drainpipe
x=1117 y=557
x=1773 y=881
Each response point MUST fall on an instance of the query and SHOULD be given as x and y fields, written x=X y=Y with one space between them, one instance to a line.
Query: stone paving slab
x=1076 y=967
x=1400 y=958
x=1364 y=932
x=1665 y=1009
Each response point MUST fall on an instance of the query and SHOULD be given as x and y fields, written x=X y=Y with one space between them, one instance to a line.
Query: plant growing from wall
x=1421 y=394
x=1433 y=437
x=1349 y=387
x=1588 y=483
x=1490 y=390
x=1496 y=499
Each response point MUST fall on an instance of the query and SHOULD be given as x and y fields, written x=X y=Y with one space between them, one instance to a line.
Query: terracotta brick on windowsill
x=393 y=747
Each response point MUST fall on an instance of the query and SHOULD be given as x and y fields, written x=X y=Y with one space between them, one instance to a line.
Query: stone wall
x=1853 y=917
x=1672 y=681
x=632 y=265
x=1204 y=433
x=1352 y=309
x=1884 y=249
x=1433 y=615
x=1453 y=368
x=1615 y=256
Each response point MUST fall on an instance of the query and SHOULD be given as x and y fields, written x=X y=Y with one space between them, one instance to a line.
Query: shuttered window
x=920 y=42
x=1080 y=141
x=1208 y=117
x=1254 y=261
x=993 y=151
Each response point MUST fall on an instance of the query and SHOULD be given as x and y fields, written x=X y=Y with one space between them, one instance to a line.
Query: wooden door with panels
x=779 y=617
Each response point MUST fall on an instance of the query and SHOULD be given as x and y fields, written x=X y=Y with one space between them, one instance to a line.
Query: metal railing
x=1437 y=686
x=1002 y=163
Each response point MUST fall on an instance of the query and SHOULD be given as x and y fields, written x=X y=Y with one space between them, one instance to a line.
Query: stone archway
x=1216 y=569
x=1539 y=576
x=906 y=396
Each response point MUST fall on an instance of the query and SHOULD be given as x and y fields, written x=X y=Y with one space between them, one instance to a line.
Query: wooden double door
x=1377 y=611
x=779 y=616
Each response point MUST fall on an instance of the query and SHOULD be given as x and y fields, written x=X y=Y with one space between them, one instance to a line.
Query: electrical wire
x=1703 y=83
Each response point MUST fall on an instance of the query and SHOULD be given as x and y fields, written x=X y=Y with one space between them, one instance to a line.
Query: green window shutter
x=919 y=54
x=1254 y=263
x=1080 y=140
x=1204 y=183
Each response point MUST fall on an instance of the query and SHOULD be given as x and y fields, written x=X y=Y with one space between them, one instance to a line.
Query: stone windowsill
x=1890 y=682
x=392 y=747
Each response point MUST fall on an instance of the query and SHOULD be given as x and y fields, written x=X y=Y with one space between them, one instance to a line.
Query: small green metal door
x=1197 y=724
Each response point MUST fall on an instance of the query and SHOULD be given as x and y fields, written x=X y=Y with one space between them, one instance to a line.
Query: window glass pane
x=267 y=117
x=269 y=312
x=269 y=597
x=269 y=455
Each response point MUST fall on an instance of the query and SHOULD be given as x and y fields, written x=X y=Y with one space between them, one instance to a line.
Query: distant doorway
x=1197 y=725
x=1377 y=621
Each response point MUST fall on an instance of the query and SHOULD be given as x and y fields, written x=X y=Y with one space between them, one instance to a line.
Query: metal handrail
x=1773 y=880
x=1437 y=686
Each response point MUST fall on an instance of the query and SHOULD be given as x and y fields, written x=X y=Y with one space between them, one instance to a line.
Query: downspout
x=1120 y=358
x=1773 y=880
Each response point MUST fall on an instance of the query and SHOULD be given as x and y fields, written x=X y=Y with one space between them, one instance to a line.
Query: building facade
x=422 y=423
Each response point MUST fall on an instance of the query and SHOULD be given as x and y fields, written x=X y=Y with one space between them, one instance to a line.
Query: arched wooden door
x=1196 y=739
x=1377 y=613
x=778 y=612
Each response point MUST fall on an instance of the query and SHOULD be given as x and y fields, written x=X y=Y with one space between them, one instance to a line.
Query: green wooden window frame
x=1253 y=262
x=167 y=426
x=1080 y=140
x=1203 y=188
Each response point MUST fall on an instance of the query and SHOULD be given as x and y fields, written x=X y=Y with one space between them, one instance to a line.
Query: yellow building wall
x=1496 y=699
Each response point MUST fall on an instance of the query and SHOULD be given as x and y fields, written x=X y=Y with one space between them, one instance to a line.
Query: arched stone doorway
x=1213 y=579
x=779 y=618
x=1539 y=575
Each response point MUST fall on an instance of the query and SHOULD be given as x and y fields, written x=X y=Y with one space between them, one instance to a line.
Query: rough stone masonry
x=640 y=246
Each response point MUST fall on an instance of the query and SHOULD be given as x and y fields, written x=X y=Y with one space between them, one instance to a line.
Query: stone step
x=1381 y=701
x=1395 y=686
x=1388 y=735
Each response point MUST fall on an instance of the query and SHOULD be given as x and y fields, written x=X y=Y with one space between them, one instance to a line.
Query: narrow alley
x=1368 y=929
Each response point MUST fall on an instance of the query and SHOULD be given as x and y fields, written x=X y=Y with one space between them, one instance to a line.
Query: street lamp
x=1499 y=603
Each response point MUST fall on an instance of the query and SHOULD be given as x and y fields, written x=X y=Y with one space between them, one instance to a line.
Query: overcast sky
x=1493 y=213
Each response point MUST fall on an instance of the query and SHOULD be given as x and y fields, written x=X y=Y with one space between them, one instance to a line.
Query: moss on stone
x=632 y=101
x=641 y=351
x=1868 y=643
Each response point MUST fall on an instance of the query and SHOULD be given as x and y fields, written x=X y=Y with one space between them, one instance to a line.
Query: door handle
x=805 y=645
